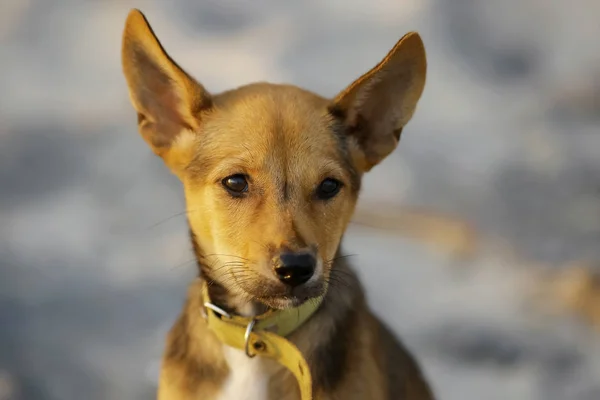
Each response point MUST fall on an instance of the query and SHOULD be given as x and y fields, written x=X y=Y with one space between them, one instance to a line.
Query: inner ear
x=376 y=107
x=168 y=100
x=160 y=104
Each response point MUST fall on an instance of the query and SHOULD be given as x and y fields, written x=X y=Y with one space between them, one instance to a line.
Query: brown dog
x=271 y=175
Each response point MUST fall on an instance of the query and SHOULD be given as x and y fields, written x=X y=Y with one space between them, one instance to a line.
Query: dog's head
x=271 y=173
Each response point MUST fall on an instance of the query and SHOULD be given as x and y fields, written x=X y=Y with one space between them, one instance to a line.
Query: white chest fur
x=248 y=378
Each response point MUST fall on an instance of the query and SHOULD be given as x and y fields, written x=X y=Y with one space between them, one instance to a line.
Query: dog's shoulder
x=193 y=360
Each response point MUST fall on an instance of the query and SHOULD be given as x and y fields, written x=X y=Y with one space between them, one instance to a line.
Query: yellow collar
x=265 y=334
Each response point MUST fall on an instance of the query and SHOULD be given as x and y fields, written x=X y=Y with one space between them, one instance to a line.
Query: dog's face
x=269 y=191
x=271 y=173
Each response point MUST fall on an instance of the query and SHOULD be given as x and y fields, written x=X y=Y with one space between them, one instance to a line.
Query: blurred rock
x=8 y=389
x=576 y=289
x=577 y=100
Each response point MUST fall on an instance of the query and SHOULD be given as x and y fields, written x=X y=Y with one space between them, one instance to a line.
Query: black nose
x=295 y=268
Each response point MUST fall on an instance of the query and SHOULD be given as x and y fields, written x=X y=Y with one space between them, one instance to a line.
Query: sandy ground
x=93 y=254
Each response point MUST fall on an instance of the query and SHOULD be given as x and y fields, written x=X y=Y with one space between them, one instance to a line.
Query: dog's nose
x=295 y=268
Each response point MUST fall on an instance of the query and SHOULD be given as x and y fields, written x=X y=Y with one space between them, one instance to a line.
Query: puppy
x=271 y=175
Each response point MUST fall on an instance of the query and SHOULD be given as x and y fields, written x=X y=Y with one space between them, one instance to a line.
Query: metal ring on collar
x=218 y=310
x=247 y=338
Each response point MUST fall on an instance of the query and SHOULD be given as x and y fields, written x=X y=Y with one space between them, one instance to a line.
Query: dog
x=271 y=175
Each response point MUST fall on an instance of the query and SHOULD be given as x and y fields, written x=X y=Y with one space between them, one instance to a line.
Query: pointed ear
x=168 y=101
x=376 y=107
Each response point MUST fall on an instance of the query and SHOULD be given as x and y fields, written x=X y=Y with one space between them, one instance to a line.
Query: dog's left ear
x=378 y=105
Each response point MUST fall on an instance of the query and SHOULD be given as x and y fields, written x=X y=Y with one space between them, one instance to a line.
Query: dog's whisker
x=224 y=255
x=342 y=257
x=179 y=214
x=185 y=263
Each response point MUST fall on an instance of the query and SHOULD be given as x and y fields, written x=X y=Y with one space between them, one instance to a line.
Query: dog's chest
x=248 y=378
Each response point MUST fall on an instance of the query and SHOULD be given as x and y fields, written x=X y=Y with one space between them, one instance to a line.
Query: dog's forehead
x=267 y=111
x=272 y=124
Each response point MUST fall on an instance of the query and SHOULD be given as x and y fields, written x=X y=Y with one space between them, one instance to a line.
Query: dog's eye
x=236 y=185
x=328 y=188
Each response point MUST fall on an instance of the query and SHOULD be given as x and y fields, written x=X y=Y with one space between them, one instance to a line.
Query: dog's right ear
x=168 y=101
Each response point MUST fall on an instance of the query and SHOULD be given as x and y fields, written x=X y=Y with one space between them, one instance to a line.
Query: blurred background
x=478 y=239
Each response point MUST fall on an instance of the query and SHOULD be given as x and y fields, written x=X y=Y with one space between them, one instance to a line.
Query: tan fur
x=285 y=141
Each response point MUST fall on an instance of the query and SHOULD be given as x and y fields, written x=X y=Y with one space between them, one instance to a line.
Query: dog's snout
x=295 y=268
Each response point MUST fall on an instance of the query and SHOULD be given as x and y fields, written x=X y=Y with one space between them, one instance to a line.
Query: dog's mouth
x=283 y=299
x=284 y=302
